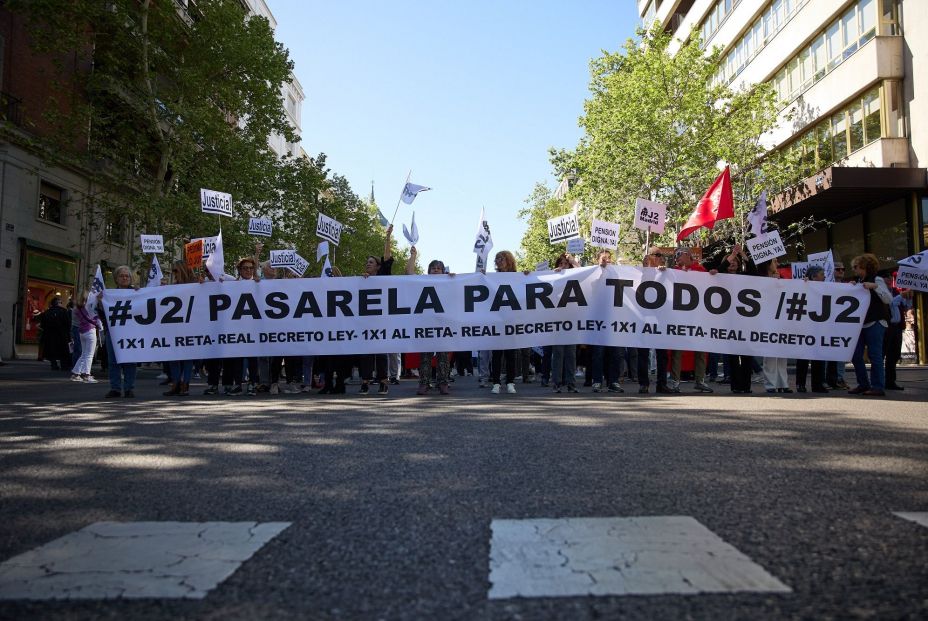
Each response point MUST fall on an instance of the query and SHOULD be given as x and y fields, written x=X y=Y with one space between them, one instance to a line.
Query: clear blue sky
x=468 y=95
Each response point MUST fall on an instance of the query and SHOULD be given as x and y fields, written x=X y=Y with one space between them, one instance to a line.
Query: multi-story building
x=51 y=236
x=852 y=76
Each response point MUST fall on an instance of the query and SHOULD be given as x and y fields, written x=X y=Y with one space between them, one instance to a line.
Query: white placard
x=283 y=258
x=563 y=227
x=152 y=244
x=209 y=245
x=329 y=229
x=604 y=234
x=799 y=269
x=260 y=226
x=299 y=266
x=767 y=246
x=649 y=214
x=542 y=265
x=909 y=277
x=826 y=261
x=576 y=245
x=322 y=250
x=214 y=202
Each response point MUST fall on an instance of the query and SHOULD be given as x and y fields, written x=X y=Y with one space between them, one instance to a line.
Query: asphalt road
x=391 y=498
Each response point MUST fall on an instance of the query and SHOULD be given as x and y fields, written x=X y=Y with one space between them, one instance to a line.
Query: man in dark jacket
x=56 y=334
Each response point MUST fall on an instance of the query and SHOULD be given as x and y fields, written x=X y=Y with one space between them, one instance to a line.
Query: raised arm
x=411 y=263
x=387 y=246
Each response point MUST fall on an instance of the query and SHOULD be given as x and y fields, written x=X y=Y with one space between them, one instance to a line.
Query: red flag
x=716 y=204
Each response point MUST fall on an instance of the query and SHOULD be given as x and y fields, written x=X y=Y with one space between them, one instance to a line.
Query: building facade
x=852 y=78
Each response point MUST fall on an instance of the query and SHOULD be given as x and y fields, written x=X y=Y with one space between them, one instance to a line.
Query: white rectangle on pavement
x=113 y=560
x=914 y=516
x=617 y=556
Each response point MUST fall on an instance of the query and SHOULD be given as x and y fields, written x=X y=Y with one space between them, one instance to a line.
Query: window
x=848 y=238
x=823 y=145
x=849 y=31
x=51 y=203
x=856 y=116
x=115 y=229
x=867 y=19
x=888 y=233
x=872 y=124
x=839 y=131
x=819 y=56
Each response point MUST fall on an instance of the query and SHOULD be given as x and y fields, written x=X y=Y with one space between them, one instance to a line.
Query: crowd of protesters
x=71 y=337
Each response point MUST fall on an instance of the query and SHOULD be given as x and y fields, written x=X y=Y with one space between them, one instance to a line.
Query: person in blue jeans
x=122 y=376
x=871 y=335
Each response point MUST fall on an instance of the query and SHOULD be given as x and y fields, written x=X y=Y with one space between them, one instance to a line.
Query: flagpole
x=401 y=197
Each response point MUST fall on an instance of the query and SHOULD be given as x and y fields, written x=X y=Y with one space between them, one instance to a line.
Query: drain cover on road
x=110 y=560
x=617 y=556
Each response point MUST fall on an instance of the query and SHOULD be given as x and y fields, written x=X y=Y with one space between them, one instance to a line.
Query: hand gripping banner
x=623 y=306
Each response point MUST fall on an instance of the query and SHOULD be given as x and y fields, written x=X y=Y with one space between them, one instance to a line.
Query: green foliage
x=180 y=101
x=656 y=126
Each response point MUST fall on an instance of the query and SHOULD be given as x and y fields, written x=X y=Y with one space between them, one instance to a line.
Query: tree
x=182 y=99
x=535 y=246
x=657 y=125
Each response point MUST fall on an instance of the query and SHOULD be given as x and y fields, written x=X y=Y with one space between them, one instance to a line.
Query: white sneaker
x=275 y=389
x=162 y=376
x=77 y=378
x=495 y=389
x=290 y=389
x=597 y=387
x=90 y=379
x=511 y=389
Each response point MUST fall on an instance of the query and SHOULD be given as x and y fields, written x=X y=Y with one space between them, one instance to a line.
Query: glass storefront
x=47 y=275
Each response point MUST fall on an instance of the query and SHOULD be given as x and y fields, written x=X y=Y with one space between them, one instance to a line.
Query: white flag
x=217 y=261
x=154 y=273
x=322 y=250
x=96 y=288
x=757 y=217
x=326 y=268
x=410 y=190
x=412 y=236
x=483 y=243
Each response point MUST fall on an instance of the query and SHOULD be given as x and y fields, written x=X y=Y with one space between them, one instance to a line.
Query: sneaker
x=495 y=389
x=557 y=389
x=290 y=388
x=511 y=388
x=482 y=384
x=211 y=390
x=365 y=388
x=76 y=378
x=196 y=375
x=162 y=376
x=757 y=378
x=274 y=389
x=572 y=388
x=384 y=388
x=702 y=387
x=305 y=388
x=614 y=387
x=394 y=381
x=642 y=390
x=443 y=389
x=597 y=387
x=129 y=394
x=423 y=389
x=723 y=380
x=842 y=384
x=113 y=393
x=251 y=391
x=90 y=379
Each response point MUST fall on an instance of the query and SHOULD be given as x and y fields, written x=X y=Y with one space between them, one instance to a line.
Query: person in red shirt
x=686 y=263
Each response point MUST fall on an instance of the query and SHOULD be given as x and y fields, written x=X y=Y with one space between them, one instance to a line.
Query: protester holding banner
x=181 y=370
x=739 y=365
x=814 y=273
x=247 y=270
x=369 y=362
x=607 y=359
x=122 y=376
x=88 y=324
x=876 y=320
x=654 y=258
x=442 y=358
x=776 y=378
x=686 y=263
x=505 y=262
x=563 y=357
x=334 y=369
x=892 y=342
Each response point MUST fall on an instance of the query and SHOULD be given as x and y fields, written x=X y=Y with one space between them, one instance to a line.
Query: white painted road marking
x=108 y=560
x=617 y=556
x=919 y=517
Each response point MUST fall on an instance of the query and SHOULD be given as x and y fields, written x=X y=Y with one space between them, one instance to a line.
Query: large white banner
x=618 y=305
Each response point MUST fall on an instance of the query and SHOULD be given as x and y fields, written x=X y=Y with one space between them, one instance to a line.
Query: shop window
x=848 y=238
x=888 y=233
x=51 y=203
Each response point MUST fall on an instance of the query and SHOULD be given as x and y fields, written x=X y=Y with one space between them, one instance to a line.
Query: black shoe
x=325 y=391
x=821 y=389
x=784 y=390
x=895 y=387
x=113 y=393
x=129 y=394
x=667 y=390
x=394 y=381
x=235 y=391
x=211 y=390
x=384 y=389
x=642 y=390
x=800 y=388
x=365 y=388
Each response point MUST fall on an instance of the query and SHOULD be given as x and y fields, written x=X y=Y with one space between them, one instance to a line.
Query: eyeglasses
x=656 y=254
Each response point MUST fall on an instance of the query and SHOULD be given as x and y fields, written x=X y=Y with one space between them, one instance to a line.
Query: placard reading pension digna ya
x=215 y=202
